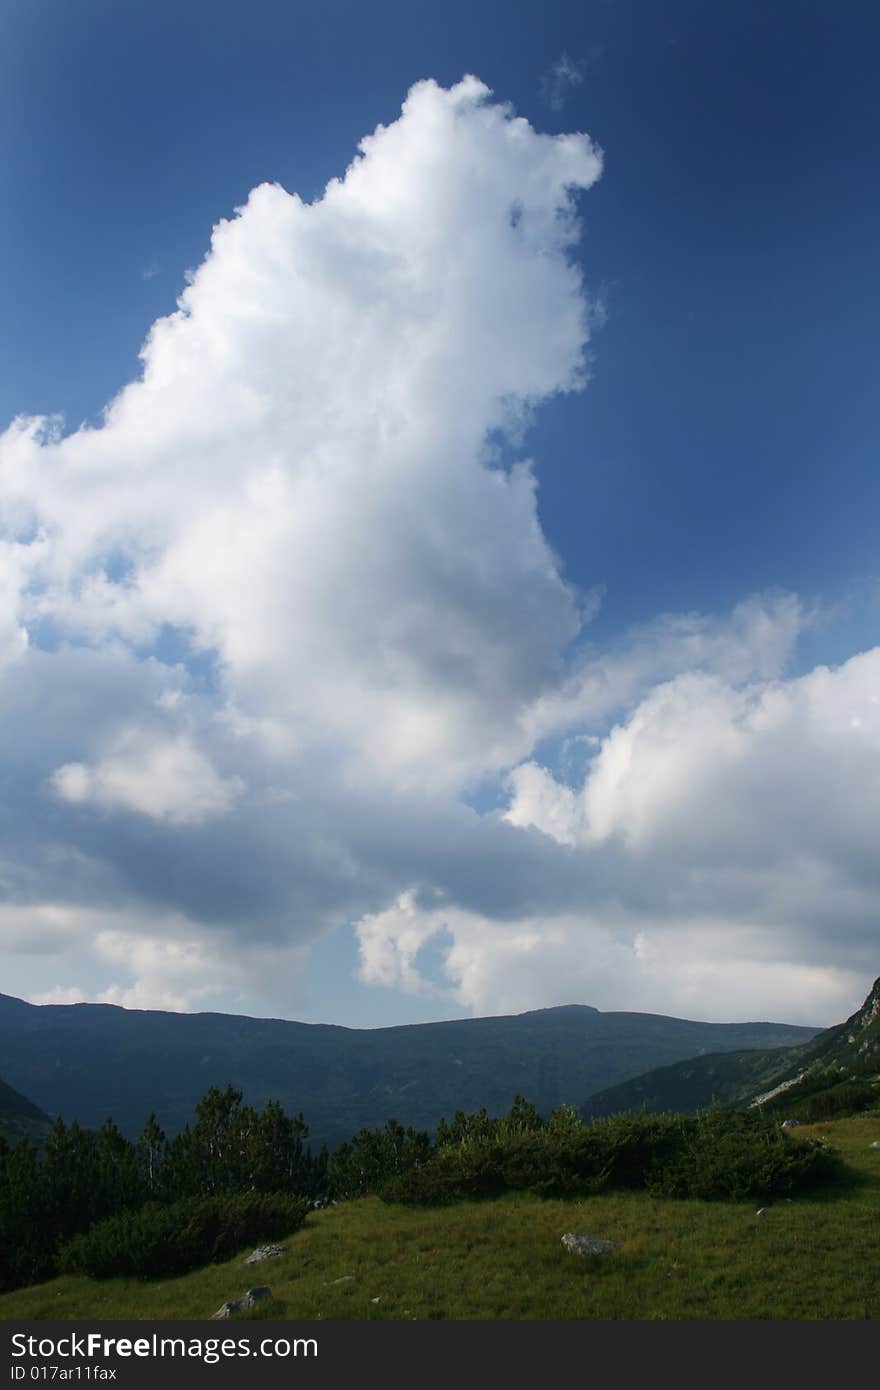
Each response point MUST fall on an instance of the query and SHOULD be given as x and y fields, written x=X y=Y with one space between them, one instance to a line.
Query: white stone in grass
x=588 y=1245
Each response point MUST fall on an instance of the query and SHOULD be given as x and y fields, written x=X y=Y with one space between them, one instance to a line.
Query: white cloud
x=745 y=774
x=390 y=942
x=299 y=497
x=730 y=812
x=168 y=780
x=727 y=837
x=283 y=610
x=755 y=640
x=507 y=967
x=539 y=800
x=13 y=577
x=145 y=961
x=558 y=83
x=288 y=483
x=58 y=994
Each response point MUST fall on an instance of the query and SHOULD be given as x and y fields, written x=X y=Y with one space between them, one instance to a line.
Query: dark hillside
x=20 y=1118
x=87 y=1061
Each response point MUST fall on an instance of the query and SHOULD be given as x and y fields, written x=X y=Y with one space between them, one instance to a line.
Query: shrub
x=635 y=1144
x=450 y=1175
x=556 y=1164
x=740 y=1155
x=170 y=1239
x=374 y=1158
x=718 y=1155
x=27 y=1251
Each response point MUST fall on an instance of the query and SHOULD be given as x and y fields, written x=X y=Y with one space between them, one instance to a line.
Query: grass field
x=818 y=1257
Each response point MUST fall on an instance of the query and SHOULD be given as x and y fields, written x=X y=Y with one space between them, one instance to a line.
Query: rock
x=792 y=1124
x=588 y=1245
x=876 y=1144
x=247 y=1300
x=264 y=1252
x=376 y=1300
x=343 y=1279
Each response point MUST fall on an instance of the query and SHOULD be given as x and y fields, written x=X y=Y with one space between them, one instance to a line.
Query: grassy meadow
x=816 y=1257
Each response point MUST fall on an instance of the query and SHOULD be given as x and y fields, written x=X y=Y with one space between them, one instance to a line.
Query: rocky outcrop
x=241 y=1305
x=264 y=1252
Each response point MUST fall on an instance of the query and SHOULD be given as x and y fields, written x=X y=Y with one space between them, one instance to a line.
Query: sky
x=438 y=507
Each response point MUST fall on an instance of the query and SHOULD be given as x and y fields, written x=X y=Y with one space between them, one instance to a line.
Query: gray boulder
x=264 y=1252
x=588 y=1245
x=240 y=1305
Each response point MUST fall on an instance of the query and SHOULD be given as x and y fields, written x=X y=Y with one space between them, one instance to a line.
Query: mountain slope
x=20 y=1118
x=721 y=1078
x=837 y=1073
x=803 y=1077
x=87 y=1061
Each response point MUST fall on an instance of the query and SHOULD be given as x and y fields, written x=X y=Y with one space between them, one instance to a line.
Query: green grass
x=818 y=1257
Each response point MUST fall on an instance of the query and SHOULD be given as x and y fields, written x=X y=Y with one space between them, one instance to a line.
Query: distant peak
x=560 y=1009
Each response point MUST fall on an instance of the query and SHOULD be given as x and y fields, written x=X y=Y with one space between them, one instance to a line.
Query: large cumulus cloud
x=265 y=630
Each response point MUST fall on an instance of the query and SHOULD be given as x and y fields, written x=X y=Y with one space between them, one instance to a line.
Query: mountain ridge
x=88 y=1061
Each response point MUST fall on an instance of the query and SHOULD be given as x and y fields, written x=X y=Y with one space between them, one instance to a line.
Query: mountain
x=836 y=1071
x=20 y=1118
x=723 y=1078
x=88 y=1061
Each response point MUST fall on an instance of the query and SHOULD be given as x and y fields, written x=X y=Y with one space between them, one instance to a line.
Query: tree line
x=95 y=1202
x=81 y=1177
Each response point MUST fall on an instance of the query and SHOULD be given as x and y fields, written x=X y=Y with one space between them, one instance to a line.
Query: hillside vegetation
x=811 y=1259
x=93 y=1202
x=234 y=1169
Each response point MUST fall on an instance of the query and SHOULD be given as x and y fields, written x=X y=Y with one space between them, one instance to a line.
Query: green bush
x=740 y=1155
x=170 y=1239
x=716 y=1156
x=556 y=1164
x=374 y=1158
x=27 y=1251
x=449 y=1175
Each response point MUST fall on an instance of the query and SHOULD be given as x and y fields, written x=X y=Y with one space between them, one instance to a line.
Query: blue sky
x=608 y=680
